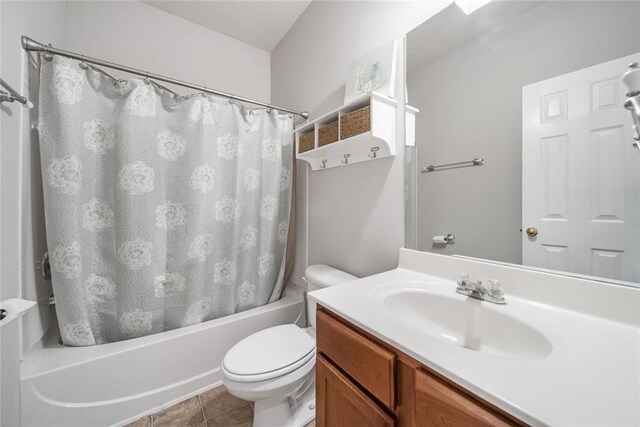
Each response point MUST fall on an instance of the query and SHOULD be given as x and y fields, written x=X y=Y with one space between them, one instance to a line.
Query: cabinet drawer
x=368 y=363
x=339 y=403
x=439 y=404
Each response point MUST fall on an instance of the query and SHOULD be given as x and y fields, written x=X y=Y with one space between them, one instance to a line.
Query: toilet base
x=281 y=413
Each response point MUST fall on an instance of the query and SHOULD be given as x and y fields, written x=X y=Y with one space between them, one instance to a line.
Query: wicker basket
x=355 y=123
x=328 y=134
x=305 y=142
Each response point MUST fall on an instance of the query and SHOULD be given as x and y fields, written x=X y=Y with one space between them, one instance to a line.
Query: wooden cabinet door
x=369 y=364
x=339 y=403
x=439 y=404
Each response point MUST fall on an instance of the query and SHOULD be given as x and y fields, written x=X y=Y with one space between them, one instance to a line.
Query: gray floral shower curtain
x=161 y=211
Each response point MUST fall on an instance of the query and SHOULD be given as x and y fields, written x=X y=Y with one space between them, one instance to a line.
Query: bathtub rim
x=39 y=361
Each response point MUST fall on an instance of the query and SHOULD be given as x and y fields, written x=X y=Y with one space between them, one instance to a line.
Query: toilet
x=275 y=367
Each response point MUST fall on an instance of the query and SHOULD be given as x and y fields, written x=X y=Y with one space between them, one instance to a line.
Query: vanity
x=403 y=348
x=365 y=382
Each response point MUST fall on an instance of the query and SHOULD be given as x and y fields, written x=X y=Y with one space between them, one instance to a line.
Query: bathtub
x=116 y=383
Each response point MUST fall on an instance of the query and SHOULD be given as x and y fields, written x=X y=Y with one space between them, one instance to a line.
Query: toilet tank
x=321 y=276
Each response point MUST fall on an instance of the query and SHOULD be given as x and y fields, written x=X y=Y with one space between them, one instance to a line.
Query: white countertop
x=590 y=377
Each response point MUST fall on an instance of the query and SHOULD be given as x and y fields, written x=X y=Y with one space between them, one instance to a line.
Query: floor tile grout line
x=204 y=416
x=230 y=409
x=152 y=417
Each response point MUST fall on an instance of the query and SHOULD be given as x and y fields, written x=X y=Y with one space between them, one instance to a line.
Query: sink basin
x=467 y=323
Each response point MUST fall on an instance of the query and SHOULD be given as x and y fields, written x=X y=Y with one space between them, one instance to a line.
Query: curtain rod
x=32 y=45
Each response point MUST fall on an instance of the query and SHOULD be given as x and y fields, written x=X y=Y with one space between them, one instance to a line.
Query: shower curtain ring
x=147 y=77
x=83 y=64
x=46 y=55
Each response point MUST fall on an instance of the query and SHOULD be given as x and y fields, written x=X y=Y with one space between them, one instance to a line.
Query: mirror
x=523 y=148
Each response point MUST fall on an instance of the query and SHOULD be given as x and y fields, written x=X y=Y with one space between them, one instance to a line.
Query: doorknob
x=532 y=231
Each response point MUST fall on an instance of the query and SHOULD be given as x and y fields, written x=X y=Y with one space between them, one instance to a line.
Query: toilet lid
x=271 y=350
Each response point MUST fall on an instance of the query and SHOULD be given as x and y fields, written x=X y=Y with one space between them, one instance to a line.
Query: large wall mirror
x=523 y=148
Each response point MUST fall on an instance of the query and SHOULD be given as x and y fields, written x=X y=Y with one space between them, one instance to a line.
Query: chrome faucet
x=493 y=293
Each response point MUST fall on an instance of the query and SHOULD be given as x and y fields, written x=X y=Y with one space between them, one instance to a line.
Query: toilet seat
x=269 y=354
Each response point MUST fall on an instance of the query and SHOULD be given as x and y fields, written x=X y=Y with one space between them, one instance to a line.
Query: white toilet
x=275 y=368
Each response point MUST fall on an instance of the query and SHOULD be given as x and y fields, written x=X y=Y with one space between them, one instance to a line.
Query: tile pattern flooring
x=213 y=408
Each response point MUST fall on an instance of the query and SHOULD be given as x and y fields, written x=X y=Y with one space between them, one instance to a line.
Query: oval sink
x=468 y=324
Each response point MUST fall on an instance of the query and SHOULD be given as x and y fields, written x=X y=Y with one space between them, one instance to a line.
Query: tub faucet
x=475 y=289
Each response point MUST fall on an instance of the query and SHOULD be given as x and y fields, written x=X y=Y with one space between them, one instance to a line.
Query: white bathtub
x=112 y=384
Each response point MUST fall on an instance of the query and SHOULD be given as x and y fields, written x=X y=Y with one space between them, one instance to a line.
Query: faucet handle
x=496 y=288
x=461 y=279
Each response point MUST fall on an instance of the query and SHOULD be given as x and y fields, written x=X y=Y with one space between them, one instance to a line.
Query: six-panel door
x=581 y=174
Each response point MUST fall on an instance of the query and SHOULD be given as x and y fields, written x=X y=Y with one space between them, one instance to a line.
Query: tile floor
x=213 y=408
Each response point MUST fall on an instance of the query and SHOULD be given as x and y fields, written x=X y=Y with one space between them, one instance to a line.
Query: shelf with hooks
x=376 y=143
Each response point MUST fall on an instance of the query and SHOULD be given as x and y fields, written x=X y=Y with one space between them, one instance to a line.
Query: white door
x=581 y=174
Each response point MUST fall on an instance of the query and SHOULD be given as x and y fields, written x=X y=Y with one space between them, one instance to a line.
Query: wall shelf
x=377 y=143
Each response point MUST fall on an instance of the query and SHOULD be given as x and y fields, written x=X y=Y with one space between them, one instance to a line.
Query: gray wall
x=470 y=106
x=350 y=217
x=166 y=44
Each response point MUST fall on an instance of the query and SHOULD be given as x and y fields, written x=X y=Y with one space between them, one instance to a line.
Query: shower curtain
x=161 y=211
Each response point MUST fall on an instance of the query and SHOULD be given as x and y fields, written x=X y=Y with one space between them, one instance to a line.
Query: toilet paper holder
x=449 y=238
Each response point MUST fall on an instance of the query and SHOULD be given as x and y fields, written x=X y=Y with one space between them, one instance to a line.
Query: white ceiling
x=260 y=23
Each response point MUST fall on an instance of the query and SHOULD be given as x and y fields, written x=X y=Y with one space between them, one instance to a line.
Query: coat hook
x=324 y=164
x=373 y=154
x=346 y=158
